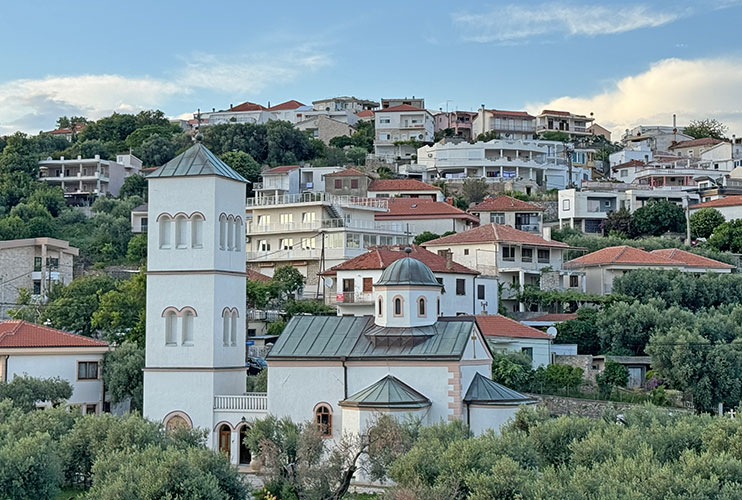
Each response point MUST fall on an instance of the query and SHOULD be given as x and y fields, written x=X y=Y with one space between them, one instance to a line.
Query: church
x=339 y=372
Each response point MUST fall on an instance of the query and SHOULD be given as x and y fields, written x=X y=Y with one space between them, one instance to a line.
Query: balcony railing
x=386 y=227
x=262 y=315
x=252 y=401
x=343 y=201
x=531 y=228
x=352 y=298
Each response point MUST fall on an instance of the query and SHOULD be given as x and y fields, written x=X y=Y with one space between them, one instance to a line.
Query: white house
x=729 y=206
x=398 y=128
x=84 y=179
x=464 y=291
x=403 y=188
x=511 y=212
x=506 y=124
x=507 y=335
x=563 y=121
x=43 y=352
x=417 y=215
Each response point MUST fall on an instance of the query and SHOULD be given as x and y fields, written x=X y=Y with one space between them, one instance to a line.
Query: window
x=181 y=232
x=460 y=286
x=354 y=183
x=233 y=329
x=438 y=306
x=386 y=240
x=528 y=351
x=170 y=328
x=90 y=409
x=230 y=234
x=497 y=217
x=223 y=231
x=480 y=292
x=526 y=254
x=574 y=281
x=37 y=264
x=544 y=256
x=323 y=418
x=87 y=370
x=624 y=173
x=353 y=240
x=369 y=240
x=187 y=328
x=565 y=205
x=264 y=246
x=286 y=244
x=381 y=307
x=367 y=285
x=592 y=225
x=508 y=253
x=197 y=231
x=165 y=232
x=421 y=307
x=287 y=218
x=440 y=282
x=398 y=306
x=37 y=287
x=466 y=251
x=225 y=328
x=338 y=184
x=143 y=224
x=264 y=220
x=238 y=235
x=308 y=217
x=308 y=243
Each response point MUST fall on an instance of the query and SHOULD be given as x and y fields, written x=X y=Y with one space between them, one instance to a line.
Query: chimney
x=449 y=200
x=547 y=233
x=449 y=259
x=230 y=106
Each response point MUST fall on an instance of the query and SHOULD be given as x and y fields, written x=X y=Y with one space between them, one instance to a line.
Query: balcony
x=317 y=225
x=262 y=315
x=351 y=298
x=530 y=228
x=252 y=401
x=301 y=198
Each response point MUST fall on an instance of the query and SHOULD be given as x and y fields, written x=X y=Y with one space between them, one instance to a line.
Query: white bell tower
x=195 y=339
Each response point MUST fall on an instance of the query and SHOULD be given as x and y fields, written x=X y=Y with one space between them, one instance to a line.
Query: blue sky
x=629 y=63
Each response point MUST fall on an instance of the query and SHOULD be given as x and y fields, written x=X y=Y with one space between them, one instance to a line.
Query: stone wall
x=550 y=280
x=551 y=210
x=593 y=408
x=583 y=361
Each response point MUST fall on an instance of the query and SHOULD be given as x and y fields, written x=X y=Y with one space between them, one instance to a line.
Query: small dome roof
x=408 y=271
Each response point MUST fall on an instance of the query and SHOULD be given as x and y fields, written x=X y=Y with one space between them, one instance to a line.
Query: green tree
x=490 y=135
x=71 y=307
x=582 y=331
x=356 y=155
x=29 y=467
x=364 y=135
x=286 y=144
x=512 y=370
x=618 y=223
x=49 y=197
x=474 y=190
x=659 y=217
x=313 y=307
x=245 y=165
x=25 y=392
x=727 y=237
x=123 y=375
x=134 y=185
x=287 y=281
x=136 y=251
x=28 y=308
x=710 y=127
x=614 y=375
x=120 y=314
x=425 y=236
x=156 y=150
x=555 y=135
x=704 y=221
x=115 y=127
x=257 y=383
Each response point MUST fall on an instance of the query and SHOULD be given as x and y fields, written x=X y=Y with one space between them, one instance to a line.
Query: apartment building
x=33 y=264
x=459 y=122
x=139 y=219
x=84 y=179
x=510 y=125
x=292 y=179
x=510 y=211
x=417 y=102
x=563 y=121
x=399 y=128
x=694 y=148
x=343 y=109
x=526 y=164
x=403 y=188
x=655 y=137
x=673 y=171
x=247 y=112
x=517 y=258
x=465 y=291
x=588 y=208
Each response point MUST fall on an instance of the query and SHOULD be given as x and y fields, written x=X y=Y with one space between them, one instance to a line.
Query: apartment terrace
x=387 y=227
x=375 y=204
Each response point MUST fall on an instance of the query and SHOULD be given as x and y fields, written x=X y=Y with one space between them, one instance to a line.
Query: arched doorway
x=225 y=439
x=245 y=458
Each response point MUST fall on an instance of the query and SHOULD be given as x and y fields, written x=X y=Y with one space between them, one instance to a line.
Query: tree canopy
x=709 y=127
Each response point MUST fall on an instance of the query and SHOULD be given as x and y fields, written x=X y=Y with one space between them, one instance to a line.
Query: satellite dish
x=329 y=282
x=551 y=331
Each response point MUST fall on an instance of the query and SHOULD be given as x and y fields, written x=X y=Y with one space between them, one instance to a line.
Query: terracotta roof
x=348 y=172
x=494 y=325
x=552 y=112
x=288 y=105
x=727 y=201
x=505 y=204
x=401 y=185
x=496 y=232
x=78 y=128
x=247 y=106
x=365 y=113
x=256 y=276
x=382 y=256
x=282 y=168
x=25 y=334
x=423 y=208
x=622 y=255
x=521 y=114
x=555 y=317
x=630 y=163
x=401 y=107
x=691 y=259
x=703 y=141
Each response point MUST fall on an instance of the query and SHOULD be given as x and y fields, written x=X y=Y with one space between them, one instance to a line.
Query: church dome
x=406 y=272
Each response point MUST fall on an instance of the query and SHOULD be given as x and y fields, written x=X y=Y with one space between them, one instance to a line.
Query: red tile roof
x=247 y=106
x=555 y=317
x=284 y=106
x=496 y=232
x=505 y=204
x=630 y=163
x=401 y=185
x=501 y=112
x=256 y=276
x=366 y=113
x=348 y=172
x=382 y=256
x=703 y=141
x=25 y=334
x=691 y=259
x=727 y=201
x=422 y=208
x=499 y=326
x=401 y=107
x=622 y=255
x=552 y=112
x=282 y=168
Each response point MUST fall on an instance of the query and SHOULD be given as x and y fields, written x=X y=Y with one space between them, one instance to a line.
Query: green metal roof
x=389 y=392
x=196 y=160
x=408 y=271
x=335 y=337
x=485 y=391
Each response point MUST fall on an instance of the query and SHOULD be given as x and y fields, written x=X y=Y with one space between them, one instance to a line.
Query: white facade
x=84 y=177
x=510 y=125
x=563 y=121
x=540 y=349
x=396 y=126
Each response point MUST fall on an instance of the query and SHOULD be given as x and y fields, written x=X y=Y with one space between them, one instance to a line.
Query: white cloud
x=692 y=89
x=517 y=22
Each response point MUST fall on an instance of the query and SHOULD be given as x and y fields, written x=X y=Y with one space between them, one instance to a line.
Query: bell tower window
x=421 y=306
x=381 y=307
x=397 y=301
x=165 y=231
x=181 y=232
x=222 y=232
x=197 y=231
x=171 y=325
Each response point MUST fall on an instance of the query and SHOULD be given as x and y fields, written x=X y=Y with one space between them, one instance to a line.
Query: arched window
x=176 y=421
x=397 y=306
x=381 y=307
x=222 y=232
x=197 y=231
x=245 y=455
x=323 y=419
x=165 y=231
x=171 y=327
x=233 y=329
x=225 y=327
x=230 y=234
x=187 y=327
x=225 y=439
x=181 y=232
x=421 y=304
x=239 y=237
x=438 y=306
